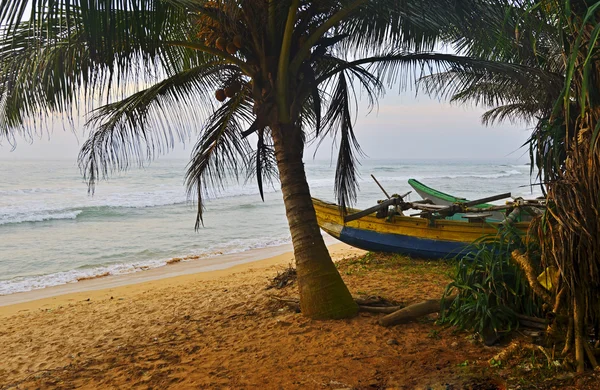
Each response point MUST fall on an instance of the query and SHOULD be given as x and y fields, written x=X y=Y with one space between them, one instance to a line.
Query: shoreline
x=170 y=275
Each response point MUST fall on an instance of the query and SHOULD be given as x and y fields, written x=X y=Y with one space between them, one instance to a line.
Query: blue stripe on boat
x=396 y=243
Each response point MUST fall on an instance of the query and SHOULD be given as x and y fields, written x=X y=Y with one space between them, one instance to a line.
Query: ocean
x=53 y=232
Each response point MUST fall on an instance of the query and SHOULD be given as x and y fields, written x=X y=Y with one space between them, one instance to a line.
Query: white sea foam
x=37 y=209
x=44 y=209
x=38 y=216
x=420 y=176
x=43 y=204
x=498 y=175
x=25 y=191
x=29 y=283
x=22 y=284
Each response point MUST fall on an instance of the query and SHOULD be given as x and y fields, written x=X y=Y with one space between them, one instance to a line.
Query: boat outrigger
x=441 y=198
x=429 y=235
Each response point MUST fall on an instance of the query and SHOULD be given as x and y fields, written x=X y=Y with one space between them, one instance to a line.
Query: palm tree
x=285 y=71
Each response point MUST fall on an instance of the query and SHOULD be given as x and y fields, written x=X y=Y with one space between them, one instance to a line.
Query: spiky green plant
x=490 y=288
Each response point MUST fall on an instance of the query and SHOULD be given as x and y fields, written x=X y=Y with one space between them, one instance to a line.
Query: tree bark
x=579 y=332
x=523 y=262
x=323 y=294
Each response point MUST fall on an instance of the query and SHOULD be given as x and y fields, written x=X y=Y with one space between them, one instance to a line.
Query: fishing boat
x=429 y=237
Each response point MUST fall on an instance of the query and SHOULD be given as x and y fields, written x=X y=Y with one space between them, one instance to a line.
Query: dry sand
x=222 y=329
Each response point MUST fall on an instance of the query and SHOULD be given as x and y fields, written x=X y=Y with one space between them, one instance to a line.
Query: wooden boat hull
x=418 y=237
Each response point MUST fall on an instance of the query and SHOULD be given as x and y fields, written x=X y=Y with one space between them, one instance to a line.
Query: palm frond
x=368 y=82
x=315 y=97
x=221 y=153
x=390 y=23
x=338 y=122
x=513 y=112
x=261 y=163
x=83 y=54
x=148 y=122
x=491 y=84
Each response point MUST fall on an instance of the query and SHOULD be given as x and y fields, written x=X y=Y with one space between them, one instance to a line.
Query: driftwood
x=532 y=319
x=379 y=309
x=399 y=314
x=532 y=322
x=518 y=346
x=412 y=312
x=293 y=303
x=533 y=325
x=396 y=314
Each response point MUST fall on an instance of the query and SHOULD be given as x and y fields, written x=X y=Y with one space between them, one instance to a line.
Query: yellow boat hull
x=418 y=237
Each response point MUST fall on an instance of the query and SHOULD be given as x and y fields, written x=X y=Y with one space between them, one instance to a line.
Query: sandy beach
x=223 y=329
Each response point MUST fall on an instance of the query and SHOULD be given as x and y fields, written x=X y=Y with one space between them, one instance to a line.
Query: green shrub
x=490 y=289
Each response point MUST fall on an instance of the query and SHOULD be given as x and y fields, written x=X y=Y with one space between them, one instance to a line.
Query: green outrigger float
x=438 y=197
x=443 y=199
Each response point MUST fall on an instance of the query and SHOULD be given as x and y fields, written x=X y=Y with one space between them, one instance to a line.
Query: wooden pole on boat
x=380 y=186
x=405 y=195
x=385 y=192
x=485 y=200
x=370 y=210
x=457 y=208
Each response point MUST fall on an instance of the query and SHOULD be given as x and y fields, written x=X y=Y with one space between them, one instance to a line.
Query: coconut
x=220 y=95
x=237 y=41
x=231 y=48
x=229 y=92
x=221 y=43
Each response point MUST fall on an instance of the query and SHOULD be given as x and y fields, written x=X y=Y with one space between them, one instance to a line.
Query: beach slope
x=222 y=329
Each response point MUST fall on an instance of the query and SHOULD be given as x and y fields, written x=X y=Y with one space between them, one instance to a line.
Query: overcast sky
x=403 y=126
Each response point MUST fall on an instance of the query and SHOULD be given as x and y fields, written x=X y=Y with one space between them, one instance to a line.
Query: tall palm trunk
x=323 y=294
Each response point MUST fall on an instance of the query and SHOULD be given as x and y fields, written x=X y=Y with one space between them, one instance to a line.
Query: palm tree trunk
x=323 y=294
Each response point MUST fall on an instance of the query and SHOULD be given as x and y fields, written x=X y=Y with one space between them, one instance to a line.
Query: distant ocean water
x=52 y=232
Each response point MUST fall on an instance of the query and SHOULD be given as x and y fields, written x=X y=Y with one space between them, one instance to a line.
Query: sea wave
x=21 y=209
x=495 y=175
x=39 y=216
x=28 y=283
x=512 y=172
x=28 y=191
